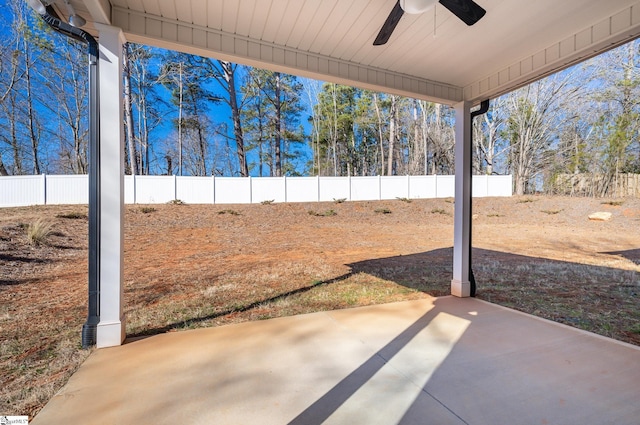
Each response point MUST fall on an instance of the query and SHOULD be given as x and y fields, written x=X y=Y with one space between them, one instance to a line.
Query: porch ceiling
x=431 y=56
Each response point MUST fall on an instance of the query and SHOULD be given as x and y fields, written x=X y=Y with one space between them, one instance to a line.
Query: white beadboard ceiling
x=432 y=56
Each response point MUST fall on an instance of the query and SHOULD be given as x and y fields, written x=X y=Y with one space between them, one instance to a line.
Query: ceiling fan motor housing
x=415 y=7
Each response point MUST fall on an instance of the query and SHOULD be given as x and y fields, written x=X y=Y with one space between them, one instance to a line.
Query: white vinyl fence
x=73 y=189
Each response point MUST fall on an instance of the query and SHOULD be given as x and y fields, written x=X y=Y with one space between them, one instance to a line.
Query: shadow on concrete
x=326 y=405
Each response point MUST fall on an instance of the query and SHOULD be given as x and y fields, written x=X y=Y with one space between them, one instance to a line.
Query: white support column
x=111 y=328
x=460 y=285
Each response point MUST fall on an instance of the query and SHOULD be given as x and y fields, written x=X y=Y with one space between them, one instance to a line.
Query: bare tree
x=440 y=131
x=380 y=126
x=618 y=126
x=312 y=90
x=128 y=112
x=533 y=118
x=148 y=105
x=393 y=134
x=224 y=73
x=182 y=75
x=488 y=144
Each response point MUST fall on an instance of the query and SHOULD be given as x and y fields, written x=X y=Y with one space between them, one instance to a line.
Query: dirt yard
x=190 y=266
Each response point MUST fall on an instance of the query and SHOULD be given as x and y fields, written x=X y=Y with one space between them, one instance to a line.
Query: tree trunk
x=229 y=76
x=180 y=120
x=128 y=112
x=30 y=112
x=13 y=139
x=380 y=136
x=278 y=124
x=392 y=134
x=3 y=170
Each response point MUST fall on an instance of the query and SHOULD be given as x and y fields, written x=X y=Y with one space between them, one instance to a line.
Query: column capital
x=110 y=29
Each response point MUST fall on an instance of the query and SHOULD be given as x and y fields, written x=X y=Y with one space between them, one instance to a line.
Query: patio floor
x=434 y=361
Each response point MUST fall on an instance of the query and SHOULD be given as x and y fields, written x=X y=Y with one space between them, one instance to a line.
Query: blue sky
x=219 y=113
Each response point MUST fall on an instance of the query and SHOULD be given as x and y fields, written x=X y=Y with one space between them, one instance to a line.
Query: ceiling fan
x=467 y=10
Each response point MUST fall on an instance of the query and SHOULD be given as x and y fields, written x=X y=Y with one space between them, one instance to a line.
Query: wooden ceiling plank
x=199 y=12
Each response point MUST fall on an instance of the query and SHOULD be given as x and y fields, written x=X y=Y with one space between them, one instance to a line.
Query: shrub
x=382 y=211
x=613 y=203
x=407 y=200
x=38 y=232
x=176 y=202
x=147 y=210
x=267 y=202
x=72 y=215
x=327 y=213
x=339 y=200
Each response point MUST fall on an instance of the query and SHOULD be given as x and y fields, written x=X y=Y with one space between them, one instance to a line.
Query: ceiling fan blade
x=389 y=25
x=467 y=10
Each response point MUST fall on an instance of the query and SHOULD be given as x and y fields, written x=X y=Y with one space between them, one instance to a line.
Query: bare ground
x=190 y=266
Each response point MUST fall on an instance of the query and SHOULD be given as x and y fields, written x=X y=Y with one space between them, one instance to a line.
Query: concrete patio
x=434 y=361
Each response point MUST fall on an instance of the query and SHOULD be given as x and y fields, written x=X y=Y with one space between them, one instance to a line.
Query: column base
x=110 y=334
x=460 y=289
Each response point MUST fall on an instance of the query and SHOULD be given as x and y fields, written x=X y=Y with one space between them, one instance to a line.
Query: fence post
x=379 y=188
x=175 y=187
x=435 y=182
x=250 y=190
x=408 y=187
x=318 y=177
x=285 y=188
x=349 y=182
x=213 y=187
x=486 y=176
x=44 y=189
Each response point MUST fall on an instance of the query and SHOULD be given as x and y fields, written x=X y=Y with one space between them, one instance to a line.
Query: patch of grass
x=382 y=211
x=525 y=201
x=147 y=210
x=327 y=213
x=267 y=201
x=339 y=200
x=439 y=211
x=551 y=212
x=38 y=232
x=72 y=215
x=407 y=200
x=450 y=201
x=495 y=215
x=230 y=212
x=176 y=202
x=613 y=203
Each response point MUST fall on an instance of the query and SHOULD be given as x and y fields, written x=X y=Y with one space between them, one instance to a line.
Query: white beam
x=152 y=30
x=100 y=10
x=460 y=285
x=111 y=328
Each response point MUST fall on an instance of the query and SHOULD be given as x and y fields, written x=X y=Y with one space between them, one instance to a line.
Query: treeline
x=191 y=115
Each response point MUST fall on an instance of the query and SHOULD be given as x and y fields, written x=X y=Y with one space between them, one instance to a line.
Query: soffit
x=431 y=56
